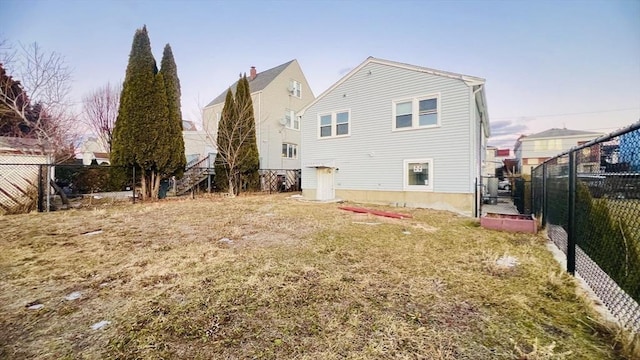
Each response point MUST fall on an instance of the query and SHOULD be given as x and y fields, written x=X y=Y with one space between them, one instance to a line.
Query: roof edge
x=467 y=79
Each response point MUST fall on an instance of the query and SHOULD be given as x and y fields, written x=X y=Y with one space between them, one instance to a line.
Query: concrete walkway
x=504 y=206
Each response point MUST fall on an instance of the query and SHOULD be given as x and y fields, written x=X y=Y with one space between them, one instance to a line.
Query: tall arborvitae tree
x=173 y=141
x=142 y=123
x=162 y=151
x=224 y=144
x=249 y=158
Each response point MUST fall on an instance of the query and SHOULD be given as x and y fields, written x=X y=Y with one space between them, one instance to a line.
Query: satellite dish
x=283 y=121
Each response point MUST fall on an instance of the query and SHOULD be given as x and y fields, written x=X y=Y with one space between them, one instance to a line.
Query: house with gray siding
x=400 y=134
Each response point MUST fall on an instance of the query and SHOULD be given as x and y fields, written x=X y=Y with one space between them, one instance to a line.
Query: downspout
x=479 y=156
x=259 y=120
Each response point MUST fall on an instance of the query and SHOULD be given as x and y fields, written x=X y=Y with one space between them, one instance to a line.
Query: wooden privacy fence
x=20 y=183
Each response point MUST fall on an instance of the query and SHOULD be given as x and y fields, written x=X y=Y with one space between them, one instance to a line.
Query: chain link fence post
x=40 y=190
x=544 y=195
x=133 y=186
x=571 y=220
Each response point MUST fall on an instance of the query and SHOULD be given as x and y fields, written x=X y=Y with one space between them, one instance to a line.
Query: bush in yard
x=607 y=240
x=92 y=179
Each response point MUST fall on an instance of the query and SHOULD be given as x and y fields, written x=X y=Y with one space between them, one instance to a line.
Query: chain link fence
x=26 y=187
x=522 y=195
x=589 y=202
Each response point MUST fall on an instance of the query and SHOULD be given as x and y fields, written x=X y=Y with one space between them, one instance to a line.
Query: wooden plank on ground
x=361 y=210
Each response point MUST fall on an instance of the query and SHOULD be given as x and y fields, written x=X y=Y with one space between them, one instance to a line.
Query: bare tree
x=100 y=110
x=37 y=100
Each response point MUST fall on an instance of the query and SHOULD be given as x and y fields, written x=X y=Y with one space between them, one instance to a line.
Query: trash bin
x=164 y=187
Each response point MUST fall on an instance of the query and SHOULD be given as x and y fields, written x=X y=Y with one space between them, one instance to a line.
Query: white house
x=93 y=149
x=277 y=94
x=198 y=144
x=400 y=134
x=533 y=150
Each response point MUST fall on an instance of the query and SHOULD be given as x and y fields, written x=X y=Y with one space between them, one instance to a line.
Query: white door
x=325 y=190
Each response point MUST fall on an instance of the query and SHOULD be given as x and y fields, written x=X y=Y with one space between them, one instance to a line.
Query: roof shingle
x=260 y=82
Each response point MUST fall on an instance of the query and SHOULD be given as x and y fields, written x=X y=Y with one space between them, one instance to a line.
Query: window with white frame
x=295 y=88
x=335 y=124
x=291 y=120
x=418 y=174
x=289 y=151
x=415 y=113
x=342 y=123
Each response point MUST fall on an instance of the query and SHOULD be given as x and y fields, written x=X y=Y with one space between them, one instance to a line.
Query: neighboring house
x=389 y=132
x=92 y=149
x=277 y=95
x=490 y=163
x=502 y=161
x=198 y=144
x=533 y=150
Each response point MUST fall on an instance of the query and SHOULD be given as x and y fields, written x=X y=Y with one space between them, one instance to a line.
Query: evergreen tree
x=138 y=130
x=159 y=168
x=224 y=144
x=249 y=158
x=173 y=143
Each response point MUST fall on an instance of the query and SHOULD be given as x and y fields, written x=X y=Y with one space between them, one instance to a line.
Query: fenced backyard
x=589 y=201
x=38 y=186
x=273 y=277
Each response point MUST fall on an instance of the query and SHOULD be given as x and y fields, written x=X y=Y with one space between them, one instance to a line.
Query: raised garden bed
x=508 y=222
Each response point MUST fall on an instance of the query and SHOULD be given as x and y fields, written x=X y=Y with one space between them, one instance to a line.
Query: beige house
x=533 y=150
x=490 y=163
x=277 y=95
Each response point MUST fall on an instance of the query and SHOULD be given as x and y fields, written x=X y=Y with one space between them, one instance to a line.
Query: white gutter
x=479 y=154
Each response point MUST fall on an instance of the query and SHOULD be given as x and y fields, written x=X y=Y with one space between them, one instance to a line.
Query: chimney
x=252 y=73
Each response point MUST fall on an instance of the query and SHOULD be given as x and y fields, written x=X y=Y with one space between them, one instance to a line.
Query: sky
x=547 y=64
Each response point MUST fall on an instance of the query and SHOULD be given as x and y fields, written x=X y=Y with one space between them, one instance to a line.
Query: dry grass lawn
x=299 y=280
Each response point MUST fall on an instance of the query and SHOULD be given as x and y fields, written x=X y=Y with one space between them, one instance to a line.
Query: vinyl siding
x=276 y=100
x=269 y=106
x=371 y=158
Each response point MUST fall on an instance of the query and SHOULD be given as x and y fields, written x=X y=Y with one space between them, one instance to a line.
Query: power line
x=565 y=114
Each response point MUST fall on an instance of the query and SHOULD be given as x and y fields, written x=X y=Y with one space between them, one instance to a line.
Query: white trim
x=293 y=88
x=322 y=163
x=405 y=178
x=415 y=112
x=291 y=148
x=468 y=80
x=293 y=119
x=334 y=124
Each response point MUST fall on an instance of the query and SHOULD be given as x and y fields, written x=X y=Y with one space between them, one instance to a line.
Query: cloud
x=504 y=133
x=503 y=142
x=508 y=127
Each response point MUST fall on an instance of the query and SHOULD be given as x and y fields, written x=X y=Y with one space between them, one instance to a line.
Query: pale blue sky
x=541 y=59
